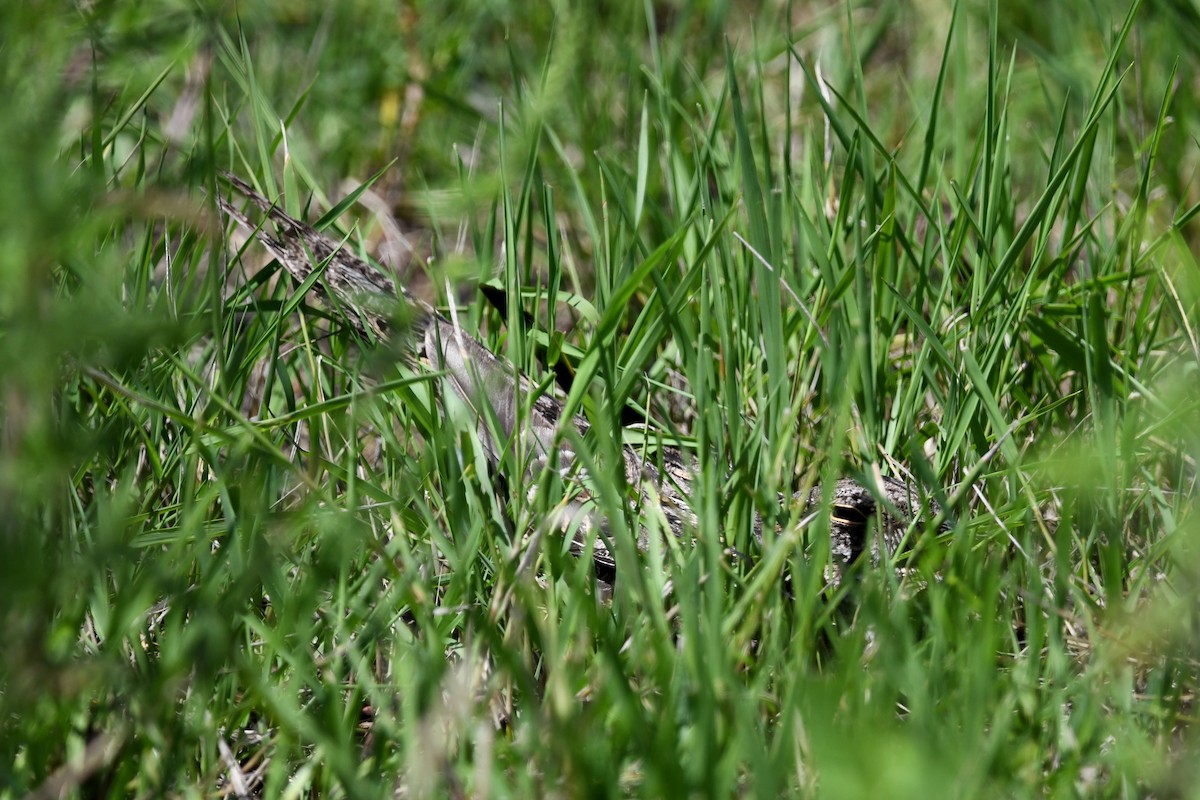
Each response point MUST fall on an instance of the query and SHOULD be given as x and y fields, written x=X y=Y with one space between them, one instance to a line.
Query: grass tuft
x=247 y=552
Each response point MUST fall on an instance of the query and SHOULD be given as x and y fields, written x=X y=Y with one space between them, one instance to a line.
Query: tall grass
x=249 y=553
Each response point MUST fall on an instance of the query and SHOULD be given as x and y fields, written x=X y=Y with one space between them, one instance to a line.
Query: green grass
x=954 y=243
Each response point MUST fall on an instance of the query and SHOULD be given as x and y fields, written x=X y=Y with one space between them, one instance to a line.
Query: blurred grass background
x=244 y=555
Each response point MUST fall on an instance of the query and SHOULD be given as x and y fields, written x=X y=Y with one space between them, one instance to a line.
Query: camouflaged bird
x=482 y=380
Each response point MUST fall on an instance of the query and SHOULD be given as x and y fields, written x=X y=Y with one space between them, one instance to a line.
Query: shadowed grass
x=248 y=553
